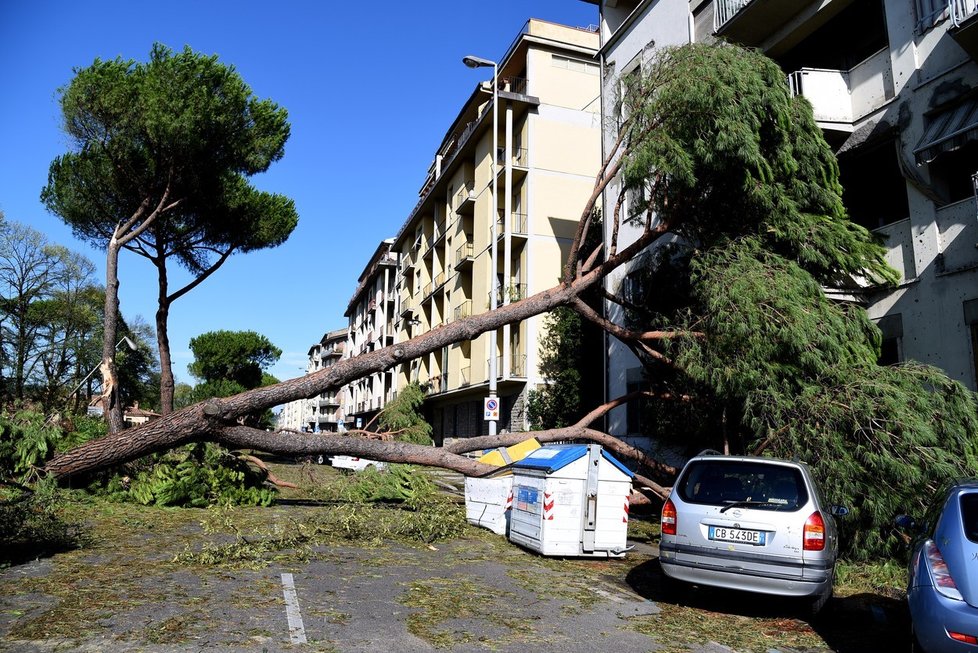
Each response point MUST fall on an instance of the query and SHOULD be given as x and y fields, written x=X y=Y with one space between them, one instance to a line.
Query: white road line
x=297 y=633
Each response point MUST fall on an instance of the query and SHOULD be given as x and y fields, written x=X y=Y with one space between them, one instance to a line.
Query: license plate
x=740 y=535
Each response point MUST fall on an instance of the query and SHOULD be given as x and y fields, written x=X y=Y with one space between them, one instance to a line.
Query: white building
x=894 y=86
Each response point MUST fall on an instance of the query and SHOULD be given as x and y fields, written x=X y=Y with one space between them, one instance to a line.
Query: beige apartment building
x=372 y=319
x=547 y=152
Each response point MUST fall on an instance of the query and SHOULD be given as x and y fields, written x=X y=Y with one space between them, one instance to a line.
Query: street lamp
x=125 y=339
x=478 y=62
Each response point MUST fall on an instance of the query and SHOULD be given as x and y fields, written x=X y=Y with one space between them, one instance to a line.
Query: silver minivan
x=750 y=523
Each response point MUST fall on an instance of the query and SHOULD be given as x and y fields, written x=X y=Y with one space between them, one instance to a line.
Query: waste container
x=488 y=499
x=571 y=500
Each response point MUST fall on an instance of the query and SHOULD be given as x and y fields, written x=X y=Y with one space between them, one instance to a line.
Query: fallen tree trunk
x=210 y=420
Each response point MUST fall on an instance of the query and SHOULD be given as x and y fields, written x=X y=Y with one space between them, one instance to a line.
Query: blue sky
x=370 y=88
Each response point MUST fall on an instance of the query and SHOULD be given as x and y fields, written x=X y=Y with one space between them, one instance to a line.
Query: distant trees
x=161 y=155
x=229 y=362
x=48 y=314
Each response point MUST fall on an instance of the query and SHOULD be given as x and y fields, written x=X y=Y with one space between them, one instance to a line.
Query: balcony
x=407 y=261
x=517 y=225
x=751 y=22
x=465 y=376
x=519 y=161
x=841 y=98
x=464 y=255
x=428 y=291
x=440 y=280
x=517 y=85
x=465 y=199
x=439 y=234
x=463 y=310
x=512 y=293
x=517 y=364
x=964 y=25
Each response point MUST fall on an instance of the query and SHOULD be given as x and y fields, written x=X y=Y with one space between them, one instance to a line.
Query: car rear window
x=969 y=515
x=758 y=485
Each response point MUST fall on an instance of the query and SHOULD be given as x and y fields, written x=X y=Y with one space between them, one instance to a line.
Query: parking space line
x=297 y=632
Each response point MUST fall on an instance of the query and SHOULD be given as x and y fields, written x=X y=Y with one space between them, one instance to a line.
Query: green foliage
x=406 y=483
x=558 y=403
x=360 y=524
x=738 y=169
x=802 y=372
x=32 y=523
x=403 y=418
x=197 y=476
x=26 y=441
x=720 y=149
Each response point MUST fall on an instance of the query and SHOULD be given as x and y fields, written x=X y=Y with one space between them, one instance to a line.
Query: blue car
x=942 y=592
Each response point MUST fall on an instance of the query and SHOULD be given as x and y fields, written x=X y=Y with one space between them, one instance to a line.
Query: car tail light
x=668 y=521
x=961 y=637
x=940 y=573
x=814 y=533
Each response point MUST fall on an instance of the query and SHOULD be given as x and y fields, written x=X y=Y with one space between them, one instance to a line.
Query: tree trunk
x=163 y=339
x=110 y=381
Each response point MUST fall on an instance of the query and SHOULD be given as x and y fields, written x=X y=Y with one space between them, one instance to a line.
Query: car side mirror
x=838 y=511
x=906 y=522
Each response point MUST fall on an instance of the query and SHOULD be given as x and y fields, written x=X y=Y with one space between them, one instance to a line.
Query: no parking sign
x=491 y=408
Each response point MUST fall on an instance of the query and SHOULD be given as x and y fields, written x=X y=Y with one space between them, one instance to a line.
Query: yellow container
x=506 y=455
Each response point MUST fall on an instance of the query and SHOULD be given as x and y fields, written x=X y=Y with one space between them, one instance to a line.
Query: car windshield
x=969 y=515
x=749 y=484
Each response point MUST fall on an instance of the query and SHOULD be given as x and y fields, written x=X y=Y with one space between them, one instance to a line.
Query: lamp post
x=125 y=339
x=478 y=62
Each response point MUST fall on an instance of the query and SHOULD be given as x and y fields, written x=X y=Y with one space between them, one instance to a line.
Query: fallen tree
x=737 y=221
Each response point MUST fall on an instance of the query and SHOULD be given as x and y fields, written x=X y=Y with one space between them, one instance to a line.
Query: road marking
x=297 y=633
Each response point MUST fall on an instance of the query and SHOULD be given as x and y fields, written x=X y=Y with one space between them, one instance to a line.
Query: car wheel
x=816 y=605
x=321 y=459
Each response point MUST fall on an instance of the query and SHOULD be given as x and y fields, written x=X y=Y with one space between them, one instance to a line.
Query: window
x=575 y=65
x=971 y=319
x=891 y=349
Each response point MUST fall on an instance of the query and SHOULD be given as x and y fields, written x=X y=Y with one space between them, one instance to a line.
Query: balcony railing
x=463 y=310
x=517 y=224
x=962 y=10
x=520 y=157
x=429 y=288
x=464 y=254
x=440 y=280
x=517 y=365
x=724 y=10
x=465 y=376
x=464 y=194
x=513 y=293
x=513 y=85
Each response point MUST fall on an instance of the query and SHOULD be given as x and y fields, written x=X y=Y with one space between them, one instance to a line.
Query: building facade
x=372 y=324
x=324 y=413
x=542 y=162
x=894 y=86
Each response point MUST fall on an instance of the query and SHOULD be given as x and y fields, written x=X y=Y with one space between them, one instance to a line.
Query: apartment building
x=372 y=325
x=541 y=162
x=325 y=412
x=893 y=85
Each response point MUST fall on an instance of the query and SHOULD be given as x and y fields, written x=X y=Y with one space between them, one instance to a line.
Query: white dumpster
x=488 y=499
x=571 y=500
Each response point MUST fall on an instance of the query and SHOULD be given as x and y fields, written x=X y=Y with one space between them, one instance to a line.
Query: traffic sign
x=491 y=407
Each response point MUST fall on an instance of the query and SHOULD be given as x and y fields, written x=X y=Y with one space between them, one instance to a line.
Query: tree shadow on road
x=861 y=623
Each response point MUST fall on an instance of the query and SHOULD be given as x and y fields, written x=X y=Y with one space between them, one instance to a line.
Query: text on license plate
x=736 y=535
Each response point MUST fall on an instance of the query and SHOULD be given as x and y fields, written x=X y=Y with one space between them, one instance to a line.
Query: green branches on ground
x=402 y=417
x=197 y=476
x=32 y=523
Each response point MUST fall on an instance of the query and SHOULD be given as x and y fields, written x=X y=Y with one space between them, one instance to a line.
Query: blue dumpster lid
x=557 y=456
